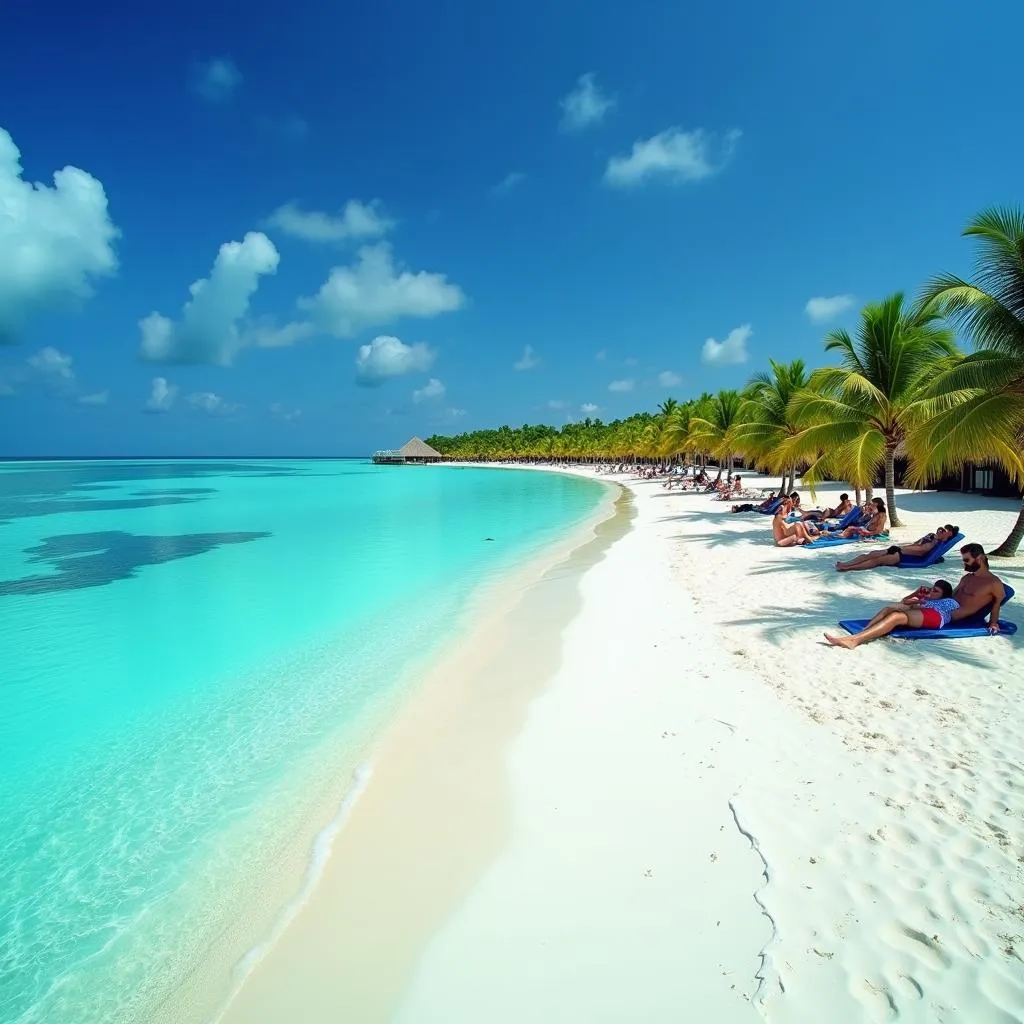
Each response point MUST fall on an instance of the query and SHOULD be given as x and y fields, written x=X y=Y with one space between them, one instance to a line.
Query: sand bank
x=689 y=808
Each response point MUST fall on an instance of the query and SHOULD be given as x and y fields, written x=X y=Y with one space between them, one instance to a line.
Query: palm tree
x=855 y=416
x=765 y=424
x=712 y=425
x=976 y=410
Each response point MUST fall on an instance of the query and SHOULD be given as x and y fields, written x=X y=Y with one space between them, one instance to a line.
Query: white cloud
x=557 y=403
x=601 y=355
x=528 y=361
x=374 y=292
x=455 y=413
x=622 y=385
x=585 y=105
x=217 y=80
x=823 y=308
x=282 y=412
x=95 y=398
x=432 y=389
x=630 y=361
x=210 y=403
x=675 y=155
x=732 y=350
x=669 y=379
x=386 y=357
x=52 y=364
x=356 y=221
x=162 y=395
x=265 y=333
x=54 y=240
x=208 y=330
x=588 y=408
x=509 y=182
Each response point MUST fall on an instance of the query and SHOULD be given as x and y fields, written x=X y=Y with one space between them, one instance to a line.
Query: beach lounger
x=932 y=558
x=852 y=518
x=772 y=508
x=974 y=626
x=835 y=542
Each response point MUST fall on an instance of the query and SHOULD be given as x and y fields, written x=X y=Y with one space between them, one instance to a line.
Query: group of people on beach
x=929 y=607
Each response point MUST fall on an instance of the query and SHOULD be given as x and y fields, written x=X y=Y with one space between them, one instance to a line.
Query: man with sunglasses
x=893 y=554
x=979 y=589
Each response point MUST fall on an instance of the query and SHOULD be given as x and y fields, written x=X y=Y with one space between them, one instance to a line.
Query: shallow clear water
x=182 y=647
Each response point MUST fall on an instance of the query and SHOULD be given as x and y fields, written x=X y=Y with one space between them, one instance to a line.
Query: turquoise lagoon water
x=183 y=647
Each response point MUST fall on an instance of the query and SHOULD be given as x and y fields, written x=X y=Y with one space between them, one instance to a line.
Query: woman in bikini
x=792 y=535
x=874 y=527
x=927 y=608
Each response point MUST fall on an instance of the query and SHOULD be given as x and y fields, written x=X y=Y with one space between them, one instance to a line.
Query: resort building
x=414 y=452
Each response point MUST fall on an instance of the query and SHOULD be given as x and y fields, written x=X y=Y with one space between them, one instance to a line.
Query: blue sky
x=389 y=203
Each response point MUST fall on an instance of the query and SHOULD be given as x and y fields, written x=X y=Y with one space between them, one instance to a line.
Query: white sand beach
x=701 y=812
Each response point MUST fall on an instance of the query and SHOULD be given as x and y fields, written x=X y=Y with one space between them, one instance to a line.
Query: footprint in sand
x=924 y=948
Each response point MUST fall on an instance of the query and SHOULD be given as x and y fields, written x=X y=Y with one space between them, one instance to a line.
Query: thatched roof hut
x=414 y=452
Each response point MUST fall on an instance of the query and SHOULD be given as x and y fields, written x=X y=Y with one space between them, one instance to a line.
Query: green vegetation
x=900 y=390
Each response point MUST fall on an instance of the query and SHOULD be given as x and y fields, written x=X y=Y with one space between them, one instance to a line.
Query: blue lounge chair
x=772 y=508
x=826 y=541
x=932 y=558
x=852 y=518
x=976 y=625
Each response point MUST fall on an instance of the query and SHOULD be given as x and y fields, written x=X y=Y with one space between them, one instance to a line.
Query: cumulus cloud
x=217 y=80
x=669 y=379
x=54 y=240
x=586 y=104
x=266 y=333
x=357 y=220
x=162 y=395
x=588 y=408
x=52 y=364
x=622 y=385
x=95 y=398
x=374 y=292
x=283 y=412
x=508 y=183
x=208 y=330
x=528 y=361
x=732 y=350
x=387 y=357
x=824 y=308
x=432 y=389
x=213 y=405
x=673 y=155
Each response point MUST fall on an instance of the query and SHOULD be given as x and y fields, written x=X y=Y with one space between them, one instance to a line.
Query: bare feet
x=840 y=567
x=841 y=641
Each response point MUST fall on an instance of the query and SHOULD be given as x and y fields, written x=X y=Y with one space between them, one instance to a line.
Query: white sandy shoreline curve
x=719 y=818
x=704 y=814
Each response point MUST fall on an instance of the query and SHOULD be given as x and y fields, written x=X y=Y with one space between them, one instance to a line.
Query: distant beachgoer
x=930 y=608
x=792 y=535
x=873 y=527
x=892 y=555
x=979 y=589
x=838 y=512
x=750 y=506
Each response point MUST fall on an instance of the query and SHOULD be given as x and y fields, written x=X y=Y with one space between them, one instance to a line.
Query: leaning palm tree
x=975 y=410
x=765 y=424
x=854 y=417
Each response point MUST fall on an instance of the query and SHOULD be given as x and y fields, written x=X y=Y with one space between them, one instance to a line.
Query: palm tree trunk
x=859 y=502
x=890 y=484
x=1012 y=543
x=782 y=483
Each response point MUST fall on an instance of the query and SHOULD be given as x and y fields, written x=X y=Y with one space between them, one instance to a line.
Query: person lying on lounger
x=930 y=608
x=749 y=506
x=892 y=555
x=873 y=527
x=838 y=512
x=979 y=589
x=793 y=534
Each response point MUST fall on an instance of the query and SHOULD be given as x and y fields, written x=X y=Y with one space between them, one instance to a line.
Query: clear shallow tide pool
x=183 y=646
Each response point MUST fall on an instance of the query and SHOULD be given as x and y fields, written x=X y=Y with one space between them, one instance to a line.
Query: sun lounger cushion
x=852 y=518
x=834 y=542
x=932 y=558
x=772 y=508
x=974 y=626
